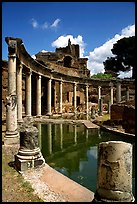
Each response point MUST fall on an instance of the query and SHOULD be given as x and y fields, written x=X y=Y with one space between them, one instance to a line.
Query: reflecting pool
x=72 y=150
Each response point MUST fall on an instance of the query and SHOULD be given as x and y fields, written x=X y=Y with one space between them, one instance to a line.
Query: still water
x=72 y=150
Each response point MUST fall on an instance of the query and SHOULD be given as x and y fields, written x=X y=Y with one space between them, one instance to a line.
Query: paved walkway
x=89 y=124
x=51 y=185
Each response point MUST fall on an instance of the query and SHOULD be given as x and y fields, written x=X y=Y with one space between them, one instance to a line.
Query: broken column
x=12 y=134
x=29 y=154
x=114 y=176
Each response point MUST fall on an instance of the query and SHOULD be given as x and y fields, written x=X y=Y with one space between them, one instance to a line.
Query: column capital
x=29 y=72
x=38 y=76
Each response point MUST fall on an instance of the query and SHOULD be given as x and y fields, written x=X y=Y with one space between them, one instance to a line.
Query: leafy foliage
x=102 y=76
x=124 y=59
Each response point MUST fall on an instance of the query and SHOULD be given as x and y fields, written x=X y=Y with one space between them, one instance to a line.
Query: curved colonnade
x=19 y=60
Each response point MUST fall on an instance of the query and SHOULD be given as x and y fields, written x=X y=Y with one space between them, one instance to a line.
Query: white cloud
x=100 y=54
x=33 y=56
x=45 y=25
x=55 y=23
x=44 y=51
x=34 y=23
x=62 y=41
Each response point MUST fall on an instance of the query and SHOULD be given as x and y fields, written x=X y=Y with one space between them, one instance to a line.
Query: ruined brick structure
x=66 y=57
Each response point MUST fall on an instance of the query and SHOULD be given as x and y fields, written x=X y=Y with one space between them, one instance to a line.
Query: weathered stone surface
x=125 y=115
x=29 y=154
x=114 y=172
x=29 y=137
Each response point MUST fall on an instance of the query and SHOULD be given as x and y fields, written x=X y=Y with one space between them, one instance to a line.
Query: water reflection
x=72 y=150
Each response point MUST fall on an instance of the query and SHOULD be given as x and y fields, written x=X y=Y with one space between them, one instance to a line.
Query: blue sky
x=43 y=26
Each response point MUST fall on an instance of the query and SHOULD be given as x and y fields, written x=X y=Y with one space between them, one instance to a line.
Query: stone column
x=114 y=182
x=100 y=102
x=118 y=92
x=19 y=92
x=12 y=134
x=38 y=94
x=55 y=97
x=111 y=94
x=28 y=93
x=99 y=92
x=49 y=97
x=60 y=97
x=127 y=93
x=75 y=97
x=86 y=99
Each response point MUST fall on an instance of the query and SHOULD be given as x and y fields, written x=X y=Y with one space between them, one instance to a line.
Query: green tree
x=124 y=59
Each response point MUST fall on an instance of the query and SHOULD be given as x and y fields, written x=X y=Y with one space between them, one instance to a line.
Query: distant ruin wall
x=125 y=115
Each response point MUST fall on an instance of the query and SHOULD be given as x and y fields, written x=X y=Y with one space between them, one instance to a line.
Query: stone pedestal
x=114 y=182
x=29 y=154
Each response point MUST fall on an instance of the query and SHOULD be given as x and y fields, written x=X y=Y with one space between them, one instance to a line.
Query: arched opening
x=67 y=61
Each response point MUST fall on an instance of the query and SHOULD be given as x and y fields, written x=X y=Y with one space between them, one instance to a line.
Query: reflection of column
x=87 y=99
x=61 y=136
x=49 y=97
x=39 y=135
x=60 y=97
x=118 y=92
x=55 y=131
x=28 y=93
x=86 y=134
x=38 y=94
x=75 y=98
x=114 y=182
x=19 y=92
x=127 y=93
x=75 y=134
x=49 y=138
x=11 y=100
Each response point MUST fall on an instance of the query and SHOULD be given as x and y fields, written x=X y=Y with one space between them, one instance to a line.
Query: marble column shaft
x=87 y=99
x=99 y=92
x=49 y=97
x=28 y=93
x=75 y=97
x=38 y=100
x=111 y=95
x=19 y=92
x=127 y=93
x=60 y=97
x=11 y=99
x=118 y=92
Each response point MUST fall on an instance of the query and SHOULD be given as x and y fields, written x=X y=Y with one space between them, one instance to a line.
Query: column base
x=20 y=121
x=30 y=160
x=38 y=116
x=11 y=138
x=49 y=114
x=113 y=196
